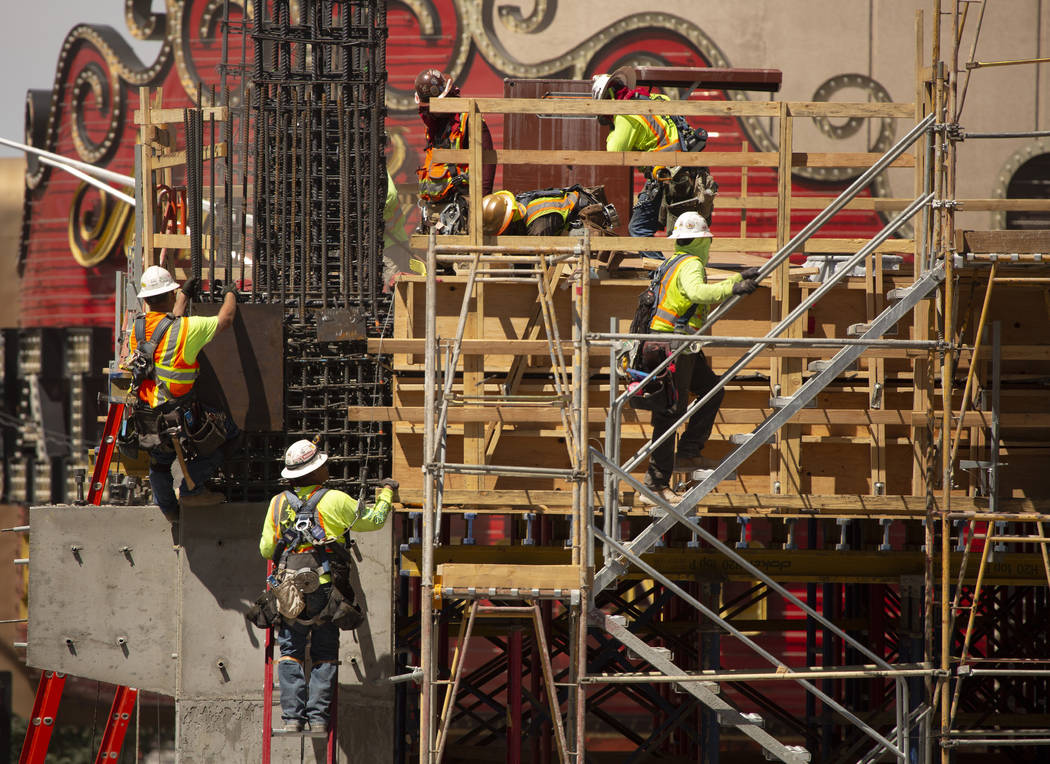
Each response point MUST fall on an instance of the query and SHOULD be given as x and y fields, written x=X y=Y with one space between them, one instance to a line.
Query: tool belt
x=201 y=430
x=341 y=608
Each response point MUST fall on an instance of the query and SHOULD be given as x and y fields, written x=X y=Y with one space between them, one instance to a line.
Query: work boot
x=292 y=726
x=694 y=463
x=666 y=493
x=202 y=498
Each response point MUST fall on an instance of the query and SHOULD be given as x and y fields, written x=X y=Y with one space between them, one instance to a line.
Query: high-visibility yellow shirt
x=337 y=512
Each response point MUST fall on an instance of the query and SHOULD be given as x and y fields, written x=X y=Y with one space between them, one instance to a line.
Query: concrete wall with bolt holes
x=110 y=599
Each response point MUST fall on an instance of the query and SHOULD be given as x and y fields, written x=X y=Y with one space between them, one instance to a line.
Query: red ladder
x=268 y=731
x=117 y=724
x=49 y=691
x=42 y=722
x=104 y=456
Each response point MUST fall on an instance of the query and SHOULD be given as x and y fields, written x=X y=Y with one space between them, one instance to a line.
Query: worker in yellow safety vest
x=683 y=299
x=166 y=414
x=668 y=191
x=305 y=533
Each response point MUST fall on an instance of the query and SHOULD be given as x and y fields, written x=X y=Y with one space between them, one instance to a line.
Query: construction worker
x=667 y=190
x=167 y=416
x=551 y=212
x=441 y=185
x=305 y=533
x=396 y=253
x=682 y=301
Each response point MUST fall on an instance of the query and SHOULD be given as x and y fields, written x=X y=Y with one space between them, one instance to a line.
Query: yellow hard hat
x=497 y=212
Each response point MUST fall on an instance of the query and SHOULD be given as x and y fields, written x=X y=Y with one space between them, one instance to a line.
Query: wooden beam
x=485 y=575
x=1021 y=242
x=585 y=105
x=546 y=415
x=637 y=244
x=560 y=502
x=179 y=157
x=156 y=115
x=670 y=158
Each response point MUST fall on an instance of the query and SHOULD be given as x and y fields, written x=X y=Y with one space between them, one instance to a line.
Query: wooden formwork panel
x=838 y=434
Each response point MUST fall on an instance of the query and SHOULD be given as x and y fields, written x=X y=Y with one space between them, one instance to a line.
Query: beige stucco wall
x=12 y=193
x=814 y=40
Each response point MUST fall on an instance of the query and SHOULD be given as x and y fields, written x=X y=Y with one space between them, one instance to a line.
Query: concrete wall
x=181 y=614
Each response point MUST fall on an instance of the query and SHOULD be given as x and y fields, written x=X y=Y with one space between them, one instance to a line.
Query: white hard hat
x=156 y=280
x=599 y=81
x=302 y=458
x=690 y=225
x=624 y=77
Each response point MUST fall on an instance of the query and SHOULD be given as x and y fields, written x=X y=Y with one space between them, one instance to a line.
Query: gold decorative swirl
x=142 y=22
x=541 y=17
x=122 y=66
x=98 y=224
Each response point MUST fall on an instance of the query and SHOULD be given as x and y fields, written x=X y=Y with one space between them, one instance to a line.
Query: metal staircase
x=619 y=556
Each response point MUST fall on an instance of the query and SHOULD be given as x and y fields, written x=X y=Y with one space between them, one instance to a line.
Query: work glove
x=192 y=287
x=390 y=483
x=230 y=289
x=749 y=274
x=747 y=286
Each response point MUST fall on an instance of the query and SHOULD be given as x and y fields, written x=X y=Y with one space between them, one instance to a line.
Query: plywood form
x=836 y=438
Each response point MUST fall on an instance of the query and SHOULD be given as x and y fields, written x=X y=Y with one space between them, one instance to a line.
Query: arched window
x=1030 y=181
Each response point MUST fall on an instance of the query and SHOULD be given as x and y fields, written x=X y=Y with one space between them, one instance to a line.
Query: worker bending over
x=682 y=303
x=550 y=212
x=305 y=533
x=443 y=186
x=668 y=191
x=168 y=419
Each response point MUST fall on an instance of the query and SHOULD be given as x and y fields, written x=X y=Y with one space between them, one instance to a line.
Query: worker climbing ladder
x=330 y=735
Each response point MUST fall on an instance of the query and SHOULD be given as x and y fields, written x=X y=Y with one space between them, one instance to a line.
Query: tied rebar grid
x=319 y=84
x=316 y=100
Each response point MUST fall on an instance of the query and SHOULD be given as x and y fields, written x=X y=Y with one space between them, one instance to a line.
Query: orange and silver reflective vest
x=174 y=376
x=562 y=204
x=661 y=128
x=437 y=180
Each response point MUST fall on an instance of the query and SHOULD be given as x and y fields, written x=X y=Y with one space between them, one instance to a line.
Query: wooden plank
x=543 y=415
x=575 y=106
x=838 y=109
x=483 y=576
x=178 y=240
x=1021 y=242
x=560 y=502
x=670 y=158
x=538 y=347
x=718 y=245
x=161 y=116
x=794 y=565
x=176 y=158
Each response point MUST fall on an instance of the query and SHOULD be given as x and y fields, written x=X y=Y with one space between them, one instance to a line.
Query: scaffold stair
x=749 y=724
x=849 y=354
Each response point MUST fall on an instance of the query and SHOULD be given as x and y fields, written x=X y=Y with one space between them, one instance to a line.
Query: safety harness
x=299 y=573
x=142 y=363
x=304 y=567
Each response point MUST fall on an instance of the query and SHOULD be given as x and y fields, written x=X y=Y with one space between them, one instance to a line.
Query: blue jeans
x=645 y=215
x=299 y=701
x=200 y=469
